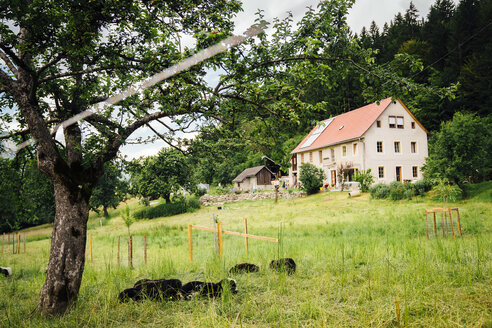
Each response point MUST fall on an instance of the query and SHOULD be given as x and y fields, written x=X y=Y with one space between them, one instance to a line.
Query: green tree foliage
x=446 y=191
x=311 y=178
x=461 y=151
x=127 y=217
x=26 y=195
x=164 y=174
x=111 y=189
x=9 y=198
x=365 y=179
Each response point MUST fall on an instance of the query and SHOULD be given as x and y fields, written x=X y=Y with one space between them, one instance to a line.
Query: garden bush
x=397 y=190
x=421 y=187
x=379 y=191
x=179 y=206
x=311 y=178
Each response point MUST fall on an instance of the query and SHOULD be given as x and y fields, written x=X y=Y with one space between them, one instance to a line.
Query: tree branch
x=9 y=63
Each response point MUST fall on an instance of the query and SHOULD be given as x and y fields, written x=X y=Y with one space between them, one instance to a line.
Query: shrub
x=168 y=209
x=397 y=190
x=200 y=192
x=219 y=190
x=379 y=191
x=365 y=179
x=421 y=187
x=311 y=178
x=408 y=190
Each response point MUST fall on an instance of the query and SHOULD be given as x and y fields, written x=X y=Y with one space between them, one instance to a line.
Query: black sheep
x=244 y=267
x=208 y=289
x=286 y=264
x=6 y=271
x=168 y=289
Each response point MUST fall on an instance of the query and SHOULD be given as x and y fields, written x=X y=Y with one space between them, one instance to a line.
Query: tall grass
x=354 y=258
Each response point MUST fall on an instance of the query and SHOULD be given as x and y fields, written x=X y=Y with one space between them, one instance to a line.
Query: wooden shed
x=258 y=177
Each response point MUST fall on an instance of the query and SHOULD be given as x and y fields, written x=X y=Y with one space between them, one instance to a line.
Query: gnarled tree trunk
x=67 y=254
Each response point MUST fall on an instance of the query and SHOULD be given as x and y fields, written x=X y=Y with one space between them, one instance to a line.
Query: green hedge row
x=397 y=190
x=168 y=209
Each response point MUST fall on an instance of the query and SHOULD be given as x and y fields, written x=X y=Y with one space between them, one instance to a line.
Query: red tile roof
x=347 y=126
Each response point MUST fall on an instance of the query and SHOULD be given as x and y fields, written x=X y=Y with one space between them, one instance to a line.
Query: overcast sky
x=362 y=14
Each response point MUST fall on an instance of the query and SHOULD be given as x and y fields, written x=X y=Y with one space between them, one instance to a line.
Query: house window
x=380 y=146
x=310 y=157
x=398 y=173
x=413 y=147
x=381 y=172
x=415 y=171
x=397 y=146
x=344 y=151
x=396 y=121
x=413 y=125
x=355 y=149
x=378 y=123
x=399 y=122
x=302 y=158
x=320 y=156
x=333 y=154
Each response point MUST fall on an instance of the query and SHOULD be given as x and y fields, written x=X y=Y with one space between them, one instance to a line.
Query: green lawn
x=355 y=258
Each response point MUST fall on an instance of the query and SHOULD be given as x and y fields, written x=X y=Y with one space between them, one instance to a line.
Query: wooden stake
x=145 y=248
x=118 y=255
x=435 y=225
x=13 y=244
x=18 y=243
x=190 y=242
x=131 y=251
x=451 y=221
x=24 y=242
x=219 y=233
x=246 y=232
x=458 y=219
x=90 y=246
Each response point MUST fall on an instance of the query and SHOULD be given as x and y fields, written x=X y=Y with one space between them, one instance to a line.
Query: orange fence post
x=190 y=242
x=219 y=233
x=145 y=248
x=18 y=243
x=131 y=251
x=246 y=232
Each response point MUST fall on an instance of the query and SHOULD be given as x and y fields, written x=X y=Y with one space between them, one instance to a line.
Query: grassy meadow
x=359 y=263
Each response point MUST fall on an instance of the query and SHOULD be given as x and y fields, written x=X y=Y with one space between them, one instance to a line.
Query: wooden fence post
x=131 y=252
x=219 y=233
x=145 y=248
x=190 y=242
x=18 y=243
x=13 y=243
x=24 y=242
x=246 y=232
x=90 y=246
x=118 y=256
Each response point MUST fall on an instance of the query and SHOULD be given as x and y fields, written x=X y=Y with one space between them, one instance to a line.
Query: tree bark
x=67 y=254
x=105 y=212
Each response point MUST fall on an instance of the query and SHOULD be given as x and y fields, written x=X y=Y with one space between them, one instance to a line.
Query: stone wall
x=229 y=198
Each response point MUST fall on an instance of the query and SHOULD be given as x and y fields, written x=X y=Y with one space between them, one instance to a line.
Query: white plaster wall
x=388 y=158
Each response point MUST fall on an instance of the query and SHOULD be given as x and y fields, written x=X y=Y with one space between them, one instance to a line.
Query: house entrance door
x=398 y=173
x=333 y=177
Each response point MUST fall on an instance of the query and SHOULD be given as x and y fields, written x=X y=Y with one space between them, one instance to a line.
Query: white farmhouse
x=384 y=137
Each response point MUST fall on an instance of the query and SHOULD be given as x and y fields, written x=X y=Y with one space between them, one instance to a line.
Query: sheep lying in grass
x=162 y=289
x=244 y=267
x=286 y=264
x=172 y=289
x=208 y=289
x=6 y=271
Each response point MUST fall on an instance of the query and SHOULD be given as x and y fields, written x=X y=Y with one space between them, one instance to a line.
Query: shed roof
x=347 y=126
x=250 y=172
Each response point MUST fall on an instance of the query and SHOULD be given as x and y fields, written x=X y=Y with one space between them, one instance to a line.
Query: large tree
x=60 y=57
